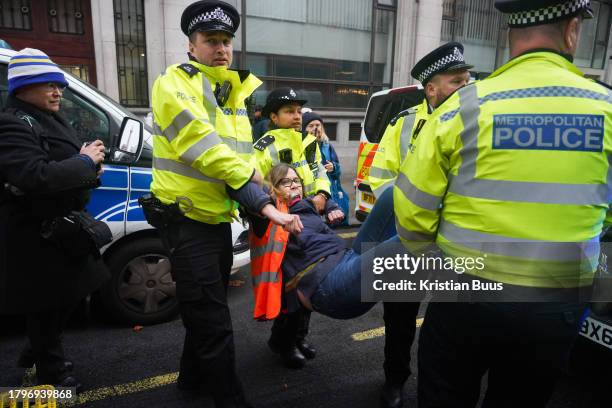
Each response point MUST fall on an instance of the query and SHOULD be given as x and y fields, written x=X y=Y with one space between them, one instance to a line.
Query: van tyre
x=141 y=289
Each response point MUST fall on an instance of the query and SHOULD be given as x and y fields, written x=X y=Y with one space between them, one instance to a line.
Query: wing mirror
x=128 y=145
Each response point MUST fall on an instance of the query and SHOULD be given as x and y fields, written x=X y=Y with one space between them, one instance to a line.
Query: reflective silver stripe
x=182 y=169
x=265 y=277
x=322 y=171
x=518 y=247
x=201 y=146
x=416 y=196
x=238 y=146
x=381 y=189
x=411 y=235
x=272 y=246
x=466 y=183
x=157 y=130
x=273 y=154
x=406 y=134
x=210 y=102
x=178 y=123
x=533 y=192
x=309 y=188
x=382 y=173
x=469 y=110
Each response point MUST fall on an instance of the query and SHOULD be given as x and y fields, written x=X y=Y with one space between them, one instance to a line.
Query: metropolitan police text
x=548 y=132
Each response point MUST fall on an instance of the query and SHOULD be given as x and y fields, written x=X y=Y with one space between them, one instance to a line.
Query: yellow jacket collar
x=548 y=56
x=240 y=89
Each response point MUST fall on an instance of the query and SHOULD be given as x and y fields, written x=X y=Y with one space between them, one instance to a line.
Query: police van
x=382 y=108
x=141 y=289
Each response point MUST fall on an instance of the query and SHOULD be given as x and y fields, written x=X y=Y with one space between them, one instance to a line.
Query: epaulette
x=264 y=142
x=189 y=69
x=403 y=113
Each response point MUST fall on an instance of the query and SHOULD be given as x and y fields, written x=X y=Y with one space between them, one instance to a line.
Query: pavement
x=137 y=366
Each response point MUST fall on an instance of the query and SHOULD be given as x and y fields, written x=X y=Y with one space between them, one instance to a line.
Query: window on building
x=16 y=14
x=593 y=43
x=331 y=130
x=482 y=30
x=354 y=131
x=131 y=52
x=79 y=71
x=334 y=52
x=65 y=16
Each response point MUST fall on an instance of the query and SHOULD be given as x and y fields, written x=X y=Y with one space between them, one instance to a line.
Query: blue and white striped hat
x=30 y=66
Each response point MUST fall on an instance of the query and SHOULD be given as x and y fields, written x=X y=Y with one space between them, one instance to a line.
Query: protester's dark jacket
x=39 y=156
x=316 y=241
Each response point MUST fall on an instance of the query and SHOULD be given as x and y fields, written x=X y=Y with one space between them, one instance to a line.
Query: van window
x=90 y=122
x=383 y=108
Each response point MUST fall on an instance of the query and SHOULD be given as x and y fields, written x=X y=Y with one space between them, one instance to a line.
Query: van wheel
x=141 y=289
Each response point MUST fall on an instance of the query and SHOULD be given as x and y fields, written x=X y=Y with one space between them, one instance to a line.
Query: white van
x=141 y=289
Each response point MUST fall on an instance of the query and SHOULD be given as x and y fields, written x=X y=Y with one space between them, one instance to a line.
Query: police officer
x=513 y=169
x=285 y=143
x=441 y=72
x=202 y=146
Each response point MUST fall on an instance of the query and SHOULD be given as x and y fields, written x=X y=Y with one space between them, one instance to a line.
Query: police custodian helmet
x=279 y=97
x=526 y=13
x=445 y=58
x=210 y=15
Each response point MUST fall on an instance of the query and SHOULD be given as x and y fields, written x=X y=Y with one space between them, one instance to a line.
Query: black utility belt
x=158 y=214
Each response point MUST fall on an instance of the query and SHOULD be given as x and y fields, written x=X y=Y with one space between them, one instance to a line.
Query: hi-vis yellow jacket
x=199 y=146
x=288 y=146
x=398 y=139
x=515 y=167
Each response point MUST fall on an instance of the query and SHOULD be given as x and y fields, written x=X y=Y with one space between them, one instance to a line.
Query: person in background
x=45 y=174
x=260 y=123
x=312 y=123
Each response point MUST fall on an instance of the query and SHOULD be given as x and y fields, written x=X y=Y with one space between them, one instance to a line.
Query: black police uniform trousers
x=201 y=257
x=400 y=328
x=522 y=345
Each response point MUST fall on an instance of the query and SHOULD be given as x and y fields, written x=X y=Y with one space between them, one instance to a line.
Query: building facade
x=334 y=52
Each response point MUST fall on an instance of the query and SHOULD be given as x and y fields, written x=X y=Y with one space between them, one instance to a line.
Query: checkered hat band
x=217 y=15
x=440 y=65
x=551 y=13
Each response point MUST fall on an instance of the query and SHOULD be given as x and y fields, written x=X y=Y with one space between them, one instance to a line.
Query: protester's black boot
x=305 y=347
x=283 y=340
x=391 y=395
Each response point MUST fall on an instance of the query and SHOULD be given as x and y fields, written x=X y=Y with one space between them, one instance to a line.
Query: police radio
x=222 y=92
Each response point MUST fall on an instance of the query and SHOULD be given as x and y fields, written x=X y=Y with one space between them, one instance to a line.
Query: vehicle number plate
x=597 y=331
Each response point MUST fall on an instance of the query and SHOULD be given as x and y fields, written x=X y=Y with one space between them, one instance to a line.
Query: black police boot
x=291 y=356
x=391 y=395
x=306 y=348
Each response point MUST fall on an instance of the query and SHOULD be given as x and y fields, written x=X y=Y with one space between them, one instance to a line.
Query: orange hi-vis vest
x=266 y=257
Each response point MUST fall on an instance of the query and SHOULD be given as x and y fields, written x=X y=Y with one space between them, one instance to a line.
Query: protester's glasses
x=54 y=85
x=287 y=182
